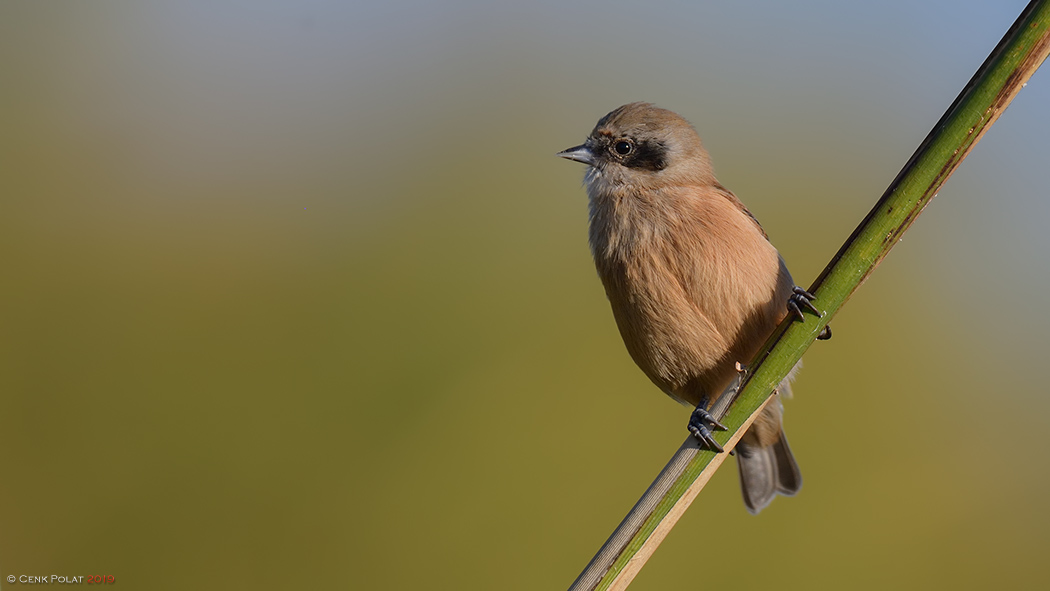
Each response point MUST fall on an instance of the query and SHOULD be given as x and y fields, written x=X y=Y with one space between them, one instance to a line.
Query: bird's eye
x=623 y=147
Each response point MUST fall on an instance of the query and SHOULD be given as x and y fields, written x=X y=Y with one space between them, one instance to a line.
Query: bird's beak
x=580 y=153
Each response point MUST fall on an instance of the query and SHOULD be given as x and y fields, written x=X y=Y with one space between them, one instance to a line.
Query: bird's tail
x=766 y=470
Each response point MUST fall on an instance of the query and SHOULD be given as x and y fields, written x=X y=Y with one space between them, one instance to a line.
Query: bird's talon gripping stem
x=801 y=299
x=799 y=291
x=701 y=424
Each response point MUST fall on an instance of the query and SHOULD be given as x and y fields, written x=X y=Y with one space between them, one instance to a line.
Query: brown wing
x=739 y=205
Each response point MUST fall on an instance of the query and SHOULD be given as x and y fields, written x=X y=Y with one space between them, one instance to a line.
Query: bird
x=694 y=283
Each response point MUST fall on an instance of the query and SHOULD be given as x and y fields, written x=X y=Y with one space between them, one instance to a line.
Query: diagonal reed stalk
x=985 y=97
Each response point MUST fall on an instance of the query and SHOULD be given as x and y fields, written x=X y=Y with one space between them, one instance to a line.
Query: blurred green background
x=297 y=294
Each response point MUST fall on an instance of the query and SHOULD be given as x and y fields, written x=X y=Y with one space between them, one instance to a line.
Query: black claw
x=799 y=291
x=808 y=304
x=700 y=425
x=825 y=333
x=800 y=299
x=706 y=440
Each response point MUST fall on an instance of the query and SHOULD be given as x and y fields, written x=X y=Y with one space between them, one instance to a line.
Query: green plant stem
x=985 y=97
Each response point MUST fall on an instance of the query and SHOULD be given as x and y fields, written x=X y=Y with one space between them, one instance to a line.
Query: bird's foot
x=702 y=425
x=799 y=300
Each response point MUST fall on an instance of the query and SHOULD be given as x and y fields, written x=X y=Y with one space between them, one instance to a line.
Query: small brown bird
x=694 y=283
